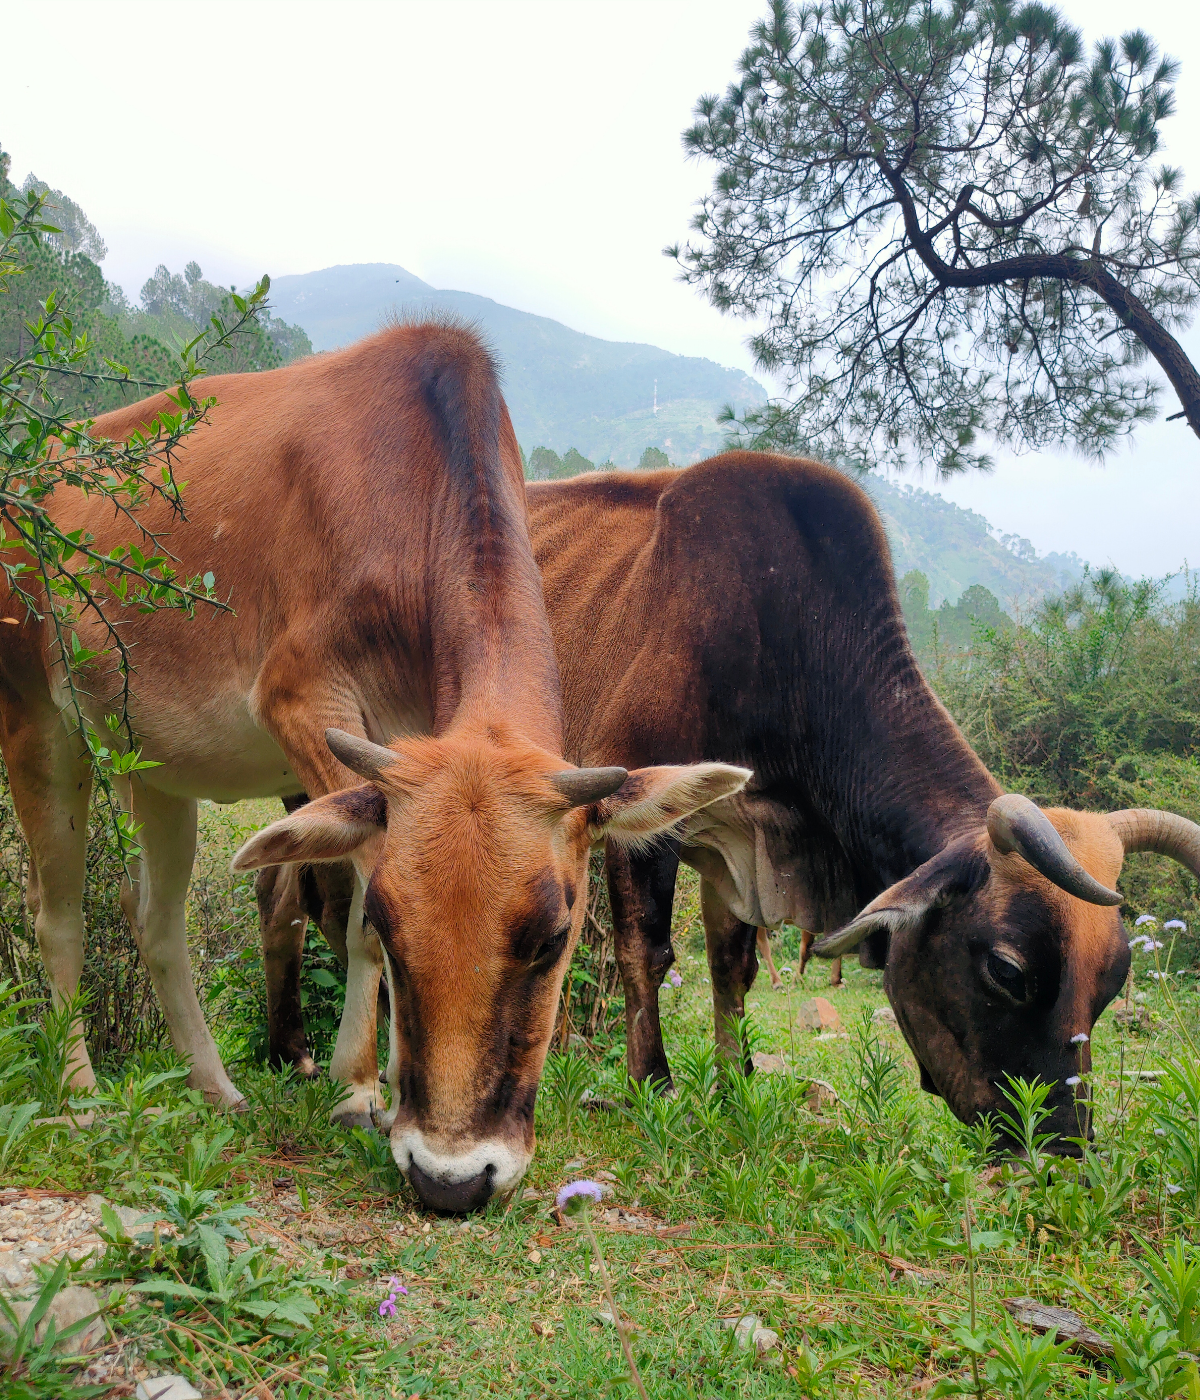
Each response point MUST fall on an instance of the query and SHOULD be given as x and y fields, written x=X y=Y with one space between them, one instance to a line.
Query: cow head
x=1004 y=948
x=474 y=849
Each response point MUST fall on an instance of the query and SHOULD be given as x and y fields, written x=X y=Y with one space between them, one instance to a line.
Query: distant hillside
x=955 y=549
x=569 y=390
x=563 y=389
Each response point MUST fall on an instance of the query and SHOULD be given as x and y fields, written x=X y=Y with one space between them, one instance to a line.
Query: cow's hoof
x=356 y=1118
x=227 y=1097
x=307 y=1067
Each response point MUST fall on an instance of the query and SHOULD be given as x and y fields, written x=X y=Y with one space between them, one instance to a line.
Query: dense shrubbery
x=1092 y=701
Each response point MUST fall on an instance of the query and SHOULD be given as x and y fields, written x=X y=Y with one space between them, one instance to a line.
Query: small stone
x=70 y=1305
x=744 y=1329
x=821 y=1095
x=764 y=1339
x=535 y=1256
x=605 y=1176
x=167 y=1388
x=530 y=1194
x=883 y=1016
x=768 y=1064
x=573 y=1166
x=818 y=1014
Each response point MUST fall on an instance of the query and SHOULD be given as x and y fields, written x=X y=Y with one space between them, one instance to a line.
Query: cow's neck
x=895 y=777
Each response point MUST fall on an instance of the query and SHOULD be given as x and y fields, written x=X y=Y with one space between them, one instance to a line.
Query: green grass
x=840 y=1224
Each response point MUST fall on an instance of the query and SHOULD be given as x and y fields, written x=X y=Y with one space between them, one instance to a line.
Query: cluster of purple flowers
x=674 y=978
x=576 y=1194
x=395 y=1289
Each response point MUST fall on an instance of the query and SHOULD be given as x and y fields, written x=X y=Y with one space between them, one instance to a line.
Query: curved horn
x=359 y=755
x=583 y=785
x=1144 y=829
x=1015 y=824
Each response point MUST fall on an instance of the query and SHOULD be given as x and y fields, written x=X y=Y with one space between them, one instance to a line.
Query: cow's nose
x=456 y=1197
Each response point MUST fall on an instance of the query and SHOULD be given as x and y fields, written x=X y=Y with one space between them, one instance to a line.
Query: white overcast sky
x=526 y=151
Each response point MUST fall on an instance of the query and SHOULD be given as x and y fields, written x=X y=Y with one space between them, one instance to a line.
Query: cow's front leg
x=641 y=890
x=733 y=965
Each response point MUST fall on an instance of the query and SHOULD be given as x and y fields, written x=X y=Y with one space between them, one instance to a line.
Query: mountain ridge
x=564 y=388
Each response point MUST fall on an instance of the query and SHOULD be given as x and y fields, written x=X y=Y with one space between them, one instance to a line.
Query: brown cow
x=745 y=608
x=364 y=513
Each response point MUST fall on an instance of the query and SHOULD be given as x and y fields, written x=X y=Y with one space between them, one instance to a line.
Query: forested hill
x=563 y=388
x=955 y=549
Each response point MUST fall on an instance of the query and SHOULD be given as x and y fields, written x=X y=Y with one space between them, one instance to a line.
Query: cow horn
x=359 y=755
x=583 y=785
x=1144 y=829
x=1015 y=824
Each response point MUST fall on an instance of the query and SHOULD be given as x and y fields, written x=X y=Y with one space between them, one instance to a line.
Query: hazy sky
x=526 y=151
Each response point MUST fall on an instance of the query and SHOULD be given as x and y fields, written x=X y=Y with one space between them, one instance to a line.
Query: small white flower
x=1176 y=923
x=1074 y=1079
x=1080 y=1039
x=1172 y=1189
x=1152 y=946
x=1139 y=941
x=1160 y=1132
x=1156 y=975
x=1144 y=919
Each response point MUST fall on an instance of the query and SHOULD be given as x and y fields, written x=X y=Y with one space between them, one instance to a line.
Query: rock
x=768 y=1064
x=531 y=1193
x=747 y=1330
x=821 y=1095
x=818 y=1014
x=167 y=1388
x=1130 y=1015
x=1068 y=1326
x=70 y=1305
x=541 y=1329
x=883 y=1016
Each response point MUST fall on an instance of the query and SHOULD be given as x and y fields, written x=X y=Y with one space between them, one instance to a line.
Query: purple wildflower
x=1080 y=1039
x=388 y=1307
x=1176 y=923
x=573 y=1196
x=1074 y=1079
x=1144 y=919
x=674 y=978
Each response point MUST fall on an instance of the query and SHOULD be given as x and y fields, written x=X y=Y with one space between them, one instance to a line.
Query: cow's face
x=993 y=969
x=475 y=851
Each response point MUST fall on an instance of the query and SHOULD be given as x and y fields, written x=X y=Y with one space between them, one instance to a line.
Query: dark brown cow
x=745 y=608
x=364 y=512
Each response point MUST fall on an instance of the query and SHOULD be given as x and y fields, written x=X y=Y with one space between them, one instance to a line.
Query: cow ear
x=330 y=828
x=959 y=870
x=653 y=800
x=871 y=932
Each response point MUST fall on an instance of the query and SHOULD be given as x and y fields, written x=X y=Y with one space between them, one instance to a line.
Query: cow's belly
x=208 y=748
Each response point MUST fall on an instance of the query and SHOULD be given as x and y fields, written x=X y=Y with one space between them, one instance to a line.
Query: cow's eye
x=550 y=950
x=1007 y=975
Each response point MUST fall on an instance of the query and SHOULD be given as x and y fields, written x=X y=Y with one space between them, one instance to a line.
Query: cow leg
x=51 y=785
x=835 y=967
x=764 y=955
x=733 y=965
x=355 y=1061
x=282 y=921
x=641 y=890
x=168 y=841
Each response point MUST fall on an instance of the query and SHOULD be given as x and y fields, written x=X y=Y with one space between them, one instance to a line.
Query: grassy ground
x=836 y=1212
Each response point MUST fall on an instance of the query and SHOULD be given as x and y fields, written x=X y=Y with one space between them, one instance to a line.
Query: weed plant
x=876 y=1236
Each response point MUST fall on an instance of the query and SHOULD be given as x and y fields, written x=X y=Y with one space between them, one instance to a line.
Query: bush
x=1093 y=701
